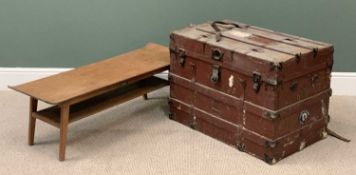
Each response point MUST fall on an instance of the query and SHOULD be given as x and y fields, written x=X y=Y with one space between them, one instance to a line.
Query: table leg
x=63 y=131
x=32 y=121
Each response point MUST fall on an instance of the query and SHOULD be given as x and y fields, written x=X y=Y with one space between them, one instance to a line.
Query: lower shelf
x=99 y=103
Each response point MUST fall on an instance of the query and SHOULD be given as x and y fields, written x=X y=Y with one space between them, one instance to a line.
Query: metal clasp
x=215 y=75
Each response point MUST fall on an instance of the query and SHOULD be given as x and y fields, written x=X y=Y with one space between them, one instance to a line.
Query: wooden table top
x=87 y=79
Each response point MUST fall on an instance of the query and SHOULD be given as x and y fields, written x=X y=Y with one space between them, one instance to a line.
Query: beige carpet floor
x=138 y=138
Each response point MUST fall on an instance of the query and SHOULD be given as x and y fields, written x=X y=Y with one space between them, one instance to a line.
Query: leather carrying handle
x=215 y=26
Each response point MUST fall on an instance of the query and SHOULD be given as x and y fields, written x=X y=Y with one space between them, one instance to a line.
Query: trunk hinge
x=257 y=81
x=181 y=56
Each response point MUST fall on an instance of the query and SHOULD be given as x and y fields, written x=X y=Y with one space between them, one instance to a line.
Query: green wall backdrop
x=69 y=33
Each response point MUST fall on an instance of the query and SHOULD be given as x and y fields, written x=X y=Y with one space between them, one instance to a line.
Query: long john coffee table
x=86 y=90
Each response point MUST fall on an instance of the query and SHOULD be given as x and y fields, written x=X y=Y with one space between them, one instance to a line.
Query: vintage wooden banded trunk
x=265 y=92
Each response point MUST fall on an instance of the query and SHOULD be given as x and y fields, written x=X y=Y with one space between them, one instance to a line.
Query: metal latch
x=217 y=55
x=215 y=75
x=181 y=56
x=256 y=78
